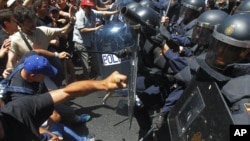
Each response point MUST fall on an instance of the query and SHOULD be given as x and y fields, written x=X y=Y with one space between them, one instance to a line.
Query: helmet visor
x=221 y=54
x=201 y=35
x=188 y=14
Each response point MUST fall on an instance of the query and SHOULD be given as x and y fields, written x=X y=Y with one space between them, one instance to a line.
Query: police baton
x=149 y=132
x=122 y=53
x=166 y=11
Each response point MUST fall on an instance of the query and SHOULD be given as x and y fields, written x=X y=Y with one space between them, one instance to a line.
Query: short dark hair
x=5 y=15
x=21 y=13
x=38 y=3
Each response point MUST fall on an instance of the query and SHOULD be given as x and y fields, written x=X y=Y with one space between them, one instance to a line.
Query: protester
x=31 y=111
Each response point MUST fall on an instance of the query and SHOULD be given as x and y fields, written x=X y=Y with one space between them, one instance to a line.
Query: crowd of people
x=178 y=42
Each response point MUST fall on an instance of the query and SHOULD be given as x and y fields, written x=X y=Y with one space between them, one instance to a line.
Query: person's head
x=190 y=10
x=54 y=13
x=36 y=67
x=151 y=18
x=205 y=25
x=121 y=3
x=132 y=6
x=62 y=3
x=7 y=21
x=147 y=3
x=41 y=8
x=53 y=2
x=87 y=5
x=25 y=18
x=3 y=4
x=230 y=43
x=72 y=2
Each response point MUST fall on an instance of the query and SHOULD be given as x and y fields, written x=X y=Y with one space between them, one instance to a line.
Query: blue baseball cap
x=37 y=64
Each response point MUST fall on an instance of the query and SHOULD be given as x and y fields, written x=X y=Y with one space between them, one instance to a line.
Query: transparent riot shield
x=115 y=43
x=133 y=75
x=200 y=114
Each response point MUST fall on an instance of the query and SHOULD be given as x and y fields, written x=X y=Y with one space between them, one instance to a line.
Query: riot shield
x=115 y=39
x=200 y=114
x=133 y=75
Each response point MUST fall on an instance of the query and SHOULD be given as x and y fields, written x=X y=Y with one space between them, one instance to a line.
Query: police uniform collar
x=213 y=73
x=237 y=88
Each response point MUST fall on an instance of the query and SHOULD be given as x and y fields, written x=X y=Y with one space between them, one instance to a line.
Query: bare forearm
x=11 y=60
x=76 y=89
x=66 y=29
x=49 y=54
x=84 y=87
x=45 y=53
x=88 y=29
x=27 y=3
x=107 y=13
x=91 y=29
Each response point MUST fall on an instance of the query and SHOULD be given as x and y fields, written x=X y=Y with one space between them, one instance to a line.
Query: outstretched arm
x=85 y=87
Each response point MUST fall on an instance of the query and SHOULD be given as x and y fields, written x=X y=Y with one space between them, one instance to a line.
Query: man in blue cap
x=21 y=118
x=31 y=75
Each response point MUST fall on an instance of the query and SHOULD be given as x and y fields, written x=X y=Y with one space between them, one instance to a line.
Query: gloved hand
x=158 y=121
x=125 y=52
x=158 y=40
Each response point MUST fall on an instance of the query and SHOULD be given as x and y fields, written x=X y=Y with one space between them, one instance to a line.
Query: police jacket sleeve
x=181 y=39
x=169 y=60
x=175 y=61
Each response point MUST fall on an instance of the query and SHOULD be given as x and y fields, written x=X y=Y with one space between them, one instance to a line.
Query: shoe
x=84 y=118
x=91 y=137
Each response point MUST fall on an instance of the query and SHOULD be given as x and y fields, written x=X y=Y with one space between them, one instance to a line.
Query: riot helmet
x=133 y=6
x=114 y=36
x=122 y=3
x=205 y=24
x=244 y=7
x=230 y=43
x=147 y=3
x=190 y=10
x=151 y=19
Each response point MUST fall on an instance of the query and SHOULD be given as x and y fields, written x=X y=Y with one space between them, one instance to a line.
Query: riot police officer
x=202 y=31
x=224 y=70
x=181 y=29
x=202 y=36
x=155 y=85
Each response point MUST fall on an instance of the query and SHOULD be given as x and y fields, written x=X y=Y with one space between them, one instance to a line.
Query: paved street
x=106 y=124
x=109 y=121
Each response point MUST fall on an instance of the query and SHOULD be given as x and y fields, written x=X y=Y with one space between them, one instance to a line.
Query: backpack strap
x=19 y=67
x=16 y=88
x=20 y=89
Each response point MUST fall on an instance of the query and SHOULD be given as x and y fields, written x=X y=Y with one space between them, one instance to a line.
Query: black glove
x=158 y=121
x=125 y=52
x=169 y=41
x=159 y=40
